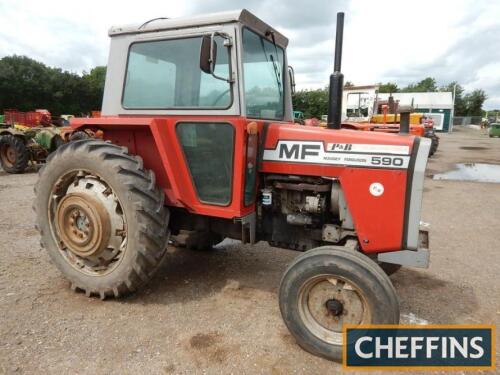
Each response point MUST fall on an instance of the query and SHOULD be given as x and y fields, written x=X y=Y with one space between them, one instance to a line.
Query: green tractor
x=21 y=145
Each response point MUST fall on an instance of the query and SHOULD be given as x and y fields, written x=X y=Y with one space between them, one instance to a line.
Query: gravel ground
x=217 y=312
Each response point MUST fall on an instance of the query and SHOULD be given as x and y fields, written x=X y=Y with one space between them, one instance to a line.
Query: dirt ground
x=217 y=312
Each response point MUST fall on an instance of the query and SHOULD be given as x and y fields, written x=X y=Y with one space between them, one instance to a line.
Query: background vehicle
x=494 y=130
x=363 y=110
x=199 y=119
x=298 y=117
x=27 y=137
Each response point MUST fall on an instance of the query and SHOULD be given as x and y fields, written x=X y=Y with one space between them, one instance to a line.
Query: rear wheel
x=330 y=286
x=78 y=136
x=101 y=217
x=434 y=145
x=57 y=142
x=14 y=155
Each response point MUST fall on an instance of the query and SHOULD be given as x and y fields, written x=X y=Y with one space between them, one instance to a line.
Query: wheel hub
x=88 y=223
x=83 y=224
x=334 y=306
x=327 y=302
x=8 y=155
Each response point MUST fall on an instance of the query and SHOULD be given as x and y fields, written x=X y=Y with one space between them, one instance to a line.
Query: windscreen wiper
x=277 y=73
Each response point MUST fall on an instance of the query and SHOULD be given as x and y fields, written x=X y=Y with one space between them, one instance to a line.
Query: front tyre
x=101 y=217
x=327 y=287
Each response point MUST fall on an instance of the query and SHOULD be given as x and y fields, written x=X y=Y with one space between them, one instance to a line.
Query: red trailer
x=39 y=117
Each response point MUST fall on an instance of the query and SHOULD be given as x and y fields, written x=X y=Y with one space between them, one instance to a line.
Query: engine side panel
x=372 y=169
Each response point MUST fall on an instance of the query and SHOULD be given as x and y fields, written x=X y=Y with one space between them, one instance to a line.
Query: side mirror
x=208 y=54
x=291 y=74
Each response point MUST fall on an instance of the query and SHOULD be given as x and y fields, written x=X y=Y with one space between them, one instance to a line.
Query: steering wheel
x=220 y=97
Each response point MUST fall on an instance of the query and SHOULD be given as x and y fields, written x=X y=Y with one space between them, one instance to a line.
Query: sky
x=384 y=40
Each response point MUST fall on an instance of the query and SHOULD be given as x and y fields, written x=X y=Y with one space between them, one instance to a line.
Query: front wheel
x=327 y=287
x=101 y=217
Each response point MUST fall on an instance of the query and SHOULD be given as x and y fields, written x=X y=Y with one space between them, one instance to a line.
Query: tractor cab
x=230 y=64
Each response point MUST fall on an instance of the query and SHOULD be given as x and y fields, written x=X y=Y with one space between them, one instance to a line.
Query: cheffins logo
x=434 y=347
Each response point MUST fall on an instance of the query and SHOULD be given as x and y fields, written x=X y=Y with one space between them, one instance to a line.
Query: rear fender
x=155 y=140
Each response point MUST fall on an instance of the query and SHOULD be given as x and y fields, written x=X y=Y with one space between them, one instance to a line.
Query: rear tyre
x=14 y=155
x=78 y=136
x=101 y=217
x=57 y=142
x=329 y=286
x=434 y=145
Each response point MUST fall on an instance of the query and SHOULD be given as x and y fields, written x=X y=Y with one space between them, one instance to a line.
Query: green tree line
x=26 y=85
x=314 y=103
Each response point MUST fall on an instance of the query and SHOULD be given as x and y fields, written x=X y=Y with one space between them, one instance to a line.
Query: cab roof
x=242 y=16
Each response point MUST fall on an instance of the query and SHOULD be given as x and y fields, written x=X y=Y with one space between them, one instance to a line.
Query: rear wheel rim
x=87 y=223
x=8 y=155
x=327 y=302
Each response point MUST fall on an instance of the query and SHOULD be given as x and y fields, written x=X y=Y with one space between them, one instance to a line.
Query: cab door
x=208 y=148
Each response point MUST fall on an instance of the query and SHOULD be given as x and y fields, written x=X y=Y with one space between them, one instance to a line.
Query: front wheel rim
x=327 y=302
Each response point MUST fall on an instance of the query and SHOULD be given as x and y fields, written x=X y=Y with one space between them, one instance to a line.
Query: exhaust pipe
x=336 y=79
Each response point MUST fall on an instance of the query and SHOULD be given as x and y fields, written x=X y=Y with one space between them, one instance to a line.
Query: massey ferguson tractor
x=198 y=136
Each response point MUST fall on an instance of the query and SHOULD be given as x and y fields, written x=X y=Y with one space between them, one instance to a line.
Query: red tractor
x=198 y=136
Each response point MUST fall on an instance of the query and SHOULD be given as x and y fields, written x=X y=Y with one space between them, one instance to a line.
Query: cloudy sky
x=401 y=41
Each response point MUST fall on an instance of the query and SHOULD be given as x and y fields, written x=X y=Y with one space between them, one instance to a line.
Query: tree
x=388 y=88
x=426 y=85
x=314 y=103
x=95 y=81
x=348 y=84
x=474 y=102
x=26 y=85
x=460 y=105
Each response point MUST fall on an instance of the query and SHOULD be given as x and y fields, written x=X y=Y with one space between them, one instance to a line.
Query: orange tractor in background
x=366 y=113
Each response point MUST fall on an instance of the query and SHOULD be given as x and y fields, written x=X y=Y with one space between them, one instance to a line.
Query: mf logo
x=298 y=150
x=340 y=147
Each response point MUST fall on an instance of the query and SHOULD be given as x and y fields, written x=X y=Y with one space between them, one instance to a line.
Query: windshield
x=166 y=74
x=263 y=76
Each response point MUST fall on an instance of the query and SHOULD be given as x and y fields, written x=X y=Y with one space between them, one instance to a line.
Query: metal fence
x=467 y=120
